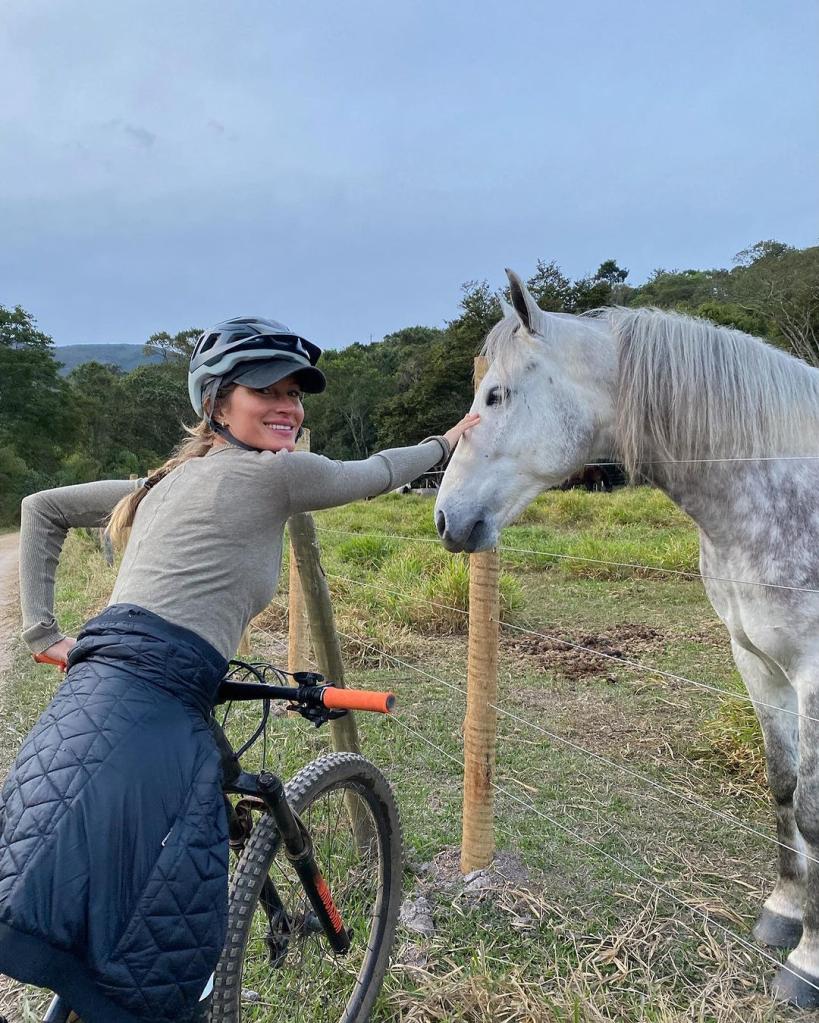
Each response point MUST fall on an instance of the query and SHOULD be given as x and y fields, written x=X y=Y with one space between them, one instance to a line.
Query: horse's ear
x=525 y=306
x=506 y=309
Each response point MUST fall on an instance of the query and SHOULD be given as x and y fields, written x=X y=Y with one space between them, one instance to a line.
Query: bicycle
x=315 y=892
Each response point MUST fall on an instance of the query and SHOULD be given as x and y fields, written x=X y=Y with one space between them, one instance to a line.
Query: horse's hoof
x=776 y=930
x=796 y=987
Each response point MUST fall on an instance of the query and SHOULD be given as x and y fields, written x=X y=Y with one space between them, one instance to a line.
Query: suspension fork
x=298 y=848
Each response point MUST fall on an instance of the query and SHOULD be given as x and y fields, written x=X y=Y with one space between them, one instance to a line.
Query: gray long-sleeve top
x=206 y=545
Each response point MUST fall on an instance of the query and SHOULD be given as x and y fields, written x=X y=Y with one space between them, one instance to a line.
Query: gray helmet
x=252 y=351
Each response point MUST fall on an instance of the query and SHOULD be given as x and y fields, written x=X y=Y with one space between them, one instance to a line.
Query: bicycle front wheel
x=277 y=963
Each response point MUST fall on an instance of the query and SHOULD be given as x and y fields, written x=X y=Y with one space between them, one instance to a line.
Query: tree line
x=100 y=422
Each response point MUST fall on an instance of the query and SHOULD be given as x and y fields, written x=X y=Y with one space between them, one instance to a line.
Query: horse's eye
x=497 y=395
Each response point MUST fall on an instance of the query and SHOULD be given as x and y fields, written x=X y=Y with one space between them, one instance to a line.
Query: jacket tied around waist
x=113 y=833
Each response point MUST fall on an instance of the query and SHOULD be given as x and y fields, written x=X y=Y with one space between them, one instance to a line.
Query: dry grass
x=634 y=972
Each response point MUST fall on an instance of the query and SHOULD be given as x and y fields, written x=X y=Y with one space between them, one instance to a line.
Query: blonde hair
x=197 y=444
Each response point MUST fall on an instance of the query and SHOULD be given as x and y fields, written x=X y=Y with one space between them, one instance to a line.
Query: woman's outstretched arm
x=316 y=482
x=45 y=519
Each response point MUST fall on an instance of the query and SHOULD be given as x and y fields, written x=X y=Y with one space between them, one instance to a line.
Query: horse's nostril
x=474 y=535
x=440 y=523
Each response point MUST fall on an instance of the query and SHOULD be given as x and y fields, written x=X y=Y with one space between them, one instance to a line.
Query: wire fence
x=527 y=803
x=586 y=751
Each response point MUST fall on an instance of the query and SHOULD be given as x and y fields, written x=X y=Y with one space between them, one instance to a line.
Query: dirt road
x=16 y=1001
x=8 y=597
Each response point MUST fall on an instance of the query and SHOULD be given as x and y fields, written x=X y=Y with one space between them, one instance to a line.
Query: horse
x=592 y=477
x=728 y=426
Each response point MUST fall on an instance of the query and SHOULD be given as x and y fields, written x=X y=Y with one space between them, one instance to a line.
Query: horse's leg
x=780 y=922
x=798 y=980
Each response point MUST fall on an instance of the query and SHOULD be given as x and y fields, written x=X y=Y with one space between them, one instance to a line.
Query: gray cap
x=269 y=371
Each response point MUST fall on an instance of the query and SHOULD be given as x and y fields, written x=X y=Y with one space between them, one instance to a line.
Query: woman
x=113 y=838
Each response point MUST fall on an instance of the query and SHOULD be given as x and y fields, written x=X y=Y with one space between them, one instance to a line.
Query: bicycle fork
x=299 y=851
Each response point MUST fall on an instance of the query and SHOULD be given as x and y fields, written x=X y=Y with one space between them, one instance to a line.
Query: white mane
x=691 y=390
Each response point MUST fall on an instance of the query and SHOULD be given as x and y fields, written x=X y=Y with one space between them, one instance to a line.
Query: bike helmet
x=252 y=351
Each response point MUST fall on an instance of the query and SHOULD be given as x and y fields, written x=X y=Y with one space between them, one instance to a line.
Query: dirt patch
x=575 y=654
x=507 y=885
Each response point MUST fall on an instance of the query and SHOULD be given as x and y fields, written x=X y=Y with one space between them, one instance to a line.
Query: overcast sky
x=344 y=167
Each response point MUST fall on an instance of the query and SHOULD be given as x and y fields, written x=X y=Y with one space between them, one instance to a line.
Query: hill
x=127 y=357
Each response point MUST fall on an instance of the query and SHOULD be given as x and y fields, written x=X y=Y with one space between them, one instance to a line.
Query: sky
x=345 y=167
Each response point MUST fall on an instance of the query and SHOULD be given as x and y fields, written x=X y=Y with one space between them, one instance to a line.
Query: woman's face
x=267 y=419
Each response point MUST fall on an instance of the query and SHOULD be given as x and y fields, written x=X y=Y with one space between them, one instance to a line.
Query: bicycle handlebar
x=319 y=697
x=357 y=699
x=44 y=659
x=329 y=696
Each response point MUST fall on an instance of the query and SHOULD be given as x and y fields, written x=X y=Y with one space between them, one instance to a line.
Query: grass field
x=609 y=895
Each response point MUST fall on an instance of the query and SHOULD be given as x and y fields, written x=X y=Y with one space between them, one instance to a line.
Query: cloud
x=142 y=136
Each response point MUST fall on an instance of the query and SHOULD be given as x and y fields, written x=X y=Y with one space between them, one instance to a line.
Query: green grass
x=563 y=933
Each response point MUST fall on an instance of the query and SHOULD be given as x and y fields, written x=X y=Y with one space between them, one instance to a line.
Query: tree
x=155 y=407
x=36 y=419
x=341 y=419
x=99 y=402
x=175 y=347
x=682 y=290
x=781 y=284
x=549 y=287
x=15 y=478
x=443 y=393
x=610 y=272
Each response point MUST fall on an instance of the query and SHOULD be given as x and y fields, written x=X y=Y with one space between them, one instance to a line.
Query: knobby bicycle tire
x=268 y=974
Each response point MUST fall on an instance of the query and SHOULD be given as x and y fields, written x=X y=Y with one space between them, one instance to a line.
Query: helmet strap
x=225 y=433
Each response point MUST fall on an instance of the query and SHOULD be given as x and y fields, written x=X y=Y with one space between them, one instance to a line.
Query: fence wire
x=625 y=661
x=591 y=561
x=726 y=818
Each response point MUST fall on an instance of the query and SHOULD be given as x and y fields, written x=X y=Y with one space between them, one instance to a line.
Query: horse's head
x=547 y=406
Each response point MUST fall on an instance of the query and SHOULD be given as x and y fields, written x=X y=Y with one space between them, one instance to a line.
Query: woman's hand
x=59 y=651
x=459 y=429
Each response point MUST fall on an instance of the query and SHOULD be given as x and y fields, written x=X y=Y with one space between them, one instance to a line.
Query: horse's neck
x=744 y=502
x=710 y=495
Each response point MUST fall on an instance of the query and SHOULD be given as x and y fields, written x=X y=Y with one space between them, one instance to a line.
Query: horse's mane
x=691 y=390
x=688 y=390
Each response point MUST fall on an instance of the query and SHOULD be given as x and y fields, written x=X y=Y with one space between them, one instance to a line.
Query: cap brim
x=271 y=371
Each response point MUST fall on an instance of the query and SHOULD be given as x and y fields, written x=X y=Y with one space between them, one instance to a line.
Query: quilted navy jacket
x=113 y=834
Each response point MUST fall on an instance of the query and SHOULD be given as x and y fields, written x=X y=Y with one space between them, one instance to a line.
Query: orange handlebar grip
x=43 y=659
x=357 y=699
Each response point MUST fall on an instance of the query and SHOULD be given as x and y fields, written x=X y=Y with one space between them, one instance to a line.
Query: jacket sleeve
x=316 y=482
x=45 y=519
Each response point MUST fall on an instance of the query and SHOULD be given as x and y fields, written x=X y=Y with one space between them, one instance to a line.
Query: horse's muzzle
x=465 y=534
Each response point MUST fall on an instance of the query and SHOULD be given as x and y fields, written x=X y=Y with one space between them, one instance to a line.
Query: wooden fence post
x=298 y=635
x=305 y=548
x=316 y=593
x=480 y=724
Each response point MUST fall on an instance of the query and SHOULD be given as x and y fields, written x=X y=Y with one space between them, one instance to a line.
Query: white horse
x=728 y=427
